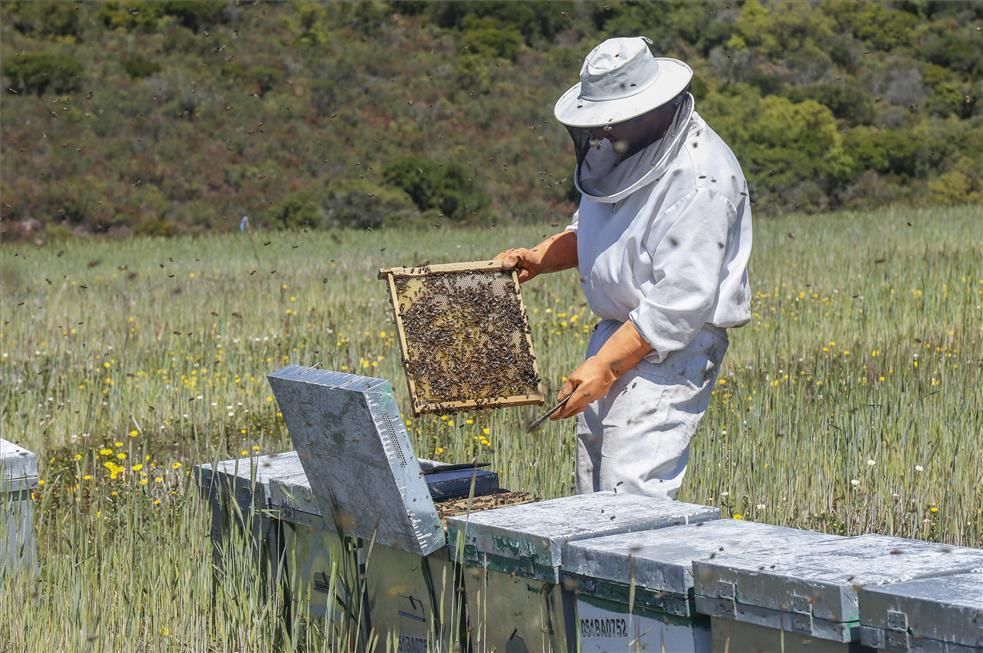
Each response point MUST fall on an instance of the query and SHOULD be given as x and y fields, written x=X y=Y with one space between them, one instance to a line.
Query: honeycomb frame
x=429 y=395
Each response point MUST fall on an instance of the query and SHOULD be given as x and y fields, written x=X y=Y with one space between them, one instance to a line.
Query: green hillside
x=181 y=116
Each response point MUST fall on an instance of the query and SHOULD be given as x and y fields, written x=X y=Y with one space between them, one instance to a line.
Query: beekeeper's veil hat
x=621 y=80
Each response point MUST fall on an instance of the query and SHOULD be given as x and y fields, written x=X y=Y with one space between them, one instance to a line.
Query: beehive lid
x=293 y=496
x=358 y=457
x=250 y=472
x=464 y=336
x=18 y=468
x=294 y=493
x=947 y=610
x=818 y=578
x=528 y=539
x=662 y=560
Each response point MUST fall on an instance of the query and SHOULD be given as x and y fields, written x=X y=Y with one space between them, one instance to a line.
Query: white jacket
x=664 y=237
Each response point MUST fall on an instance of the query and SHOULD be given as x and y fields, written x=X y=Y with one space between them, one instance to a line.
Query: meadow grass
x=850 y=404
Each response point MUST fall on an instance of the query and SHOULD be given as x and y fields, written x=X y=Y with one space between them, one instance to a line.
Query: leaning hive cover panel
x=465 y=337
x=358 y=457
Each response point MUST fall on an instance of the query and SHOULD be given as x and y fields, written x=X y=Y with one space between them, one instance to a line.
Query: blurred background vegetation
x=181 y=116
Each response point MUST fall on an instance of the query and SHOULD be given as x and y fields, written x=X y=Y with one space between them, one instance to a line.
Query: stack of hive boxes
x=18 y=476
x=601 y=572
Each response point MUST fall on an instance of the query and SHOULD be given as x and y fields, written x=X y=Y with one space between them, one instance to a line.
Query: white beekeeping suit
x=663 y=241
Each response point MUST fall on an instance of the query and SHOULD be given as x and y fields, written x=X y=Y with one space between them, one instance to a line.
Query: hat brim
x=574 y=111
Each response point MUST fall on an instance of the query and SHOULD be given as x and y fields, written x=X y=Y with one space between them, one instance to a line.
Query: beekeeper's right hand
x=527 y=263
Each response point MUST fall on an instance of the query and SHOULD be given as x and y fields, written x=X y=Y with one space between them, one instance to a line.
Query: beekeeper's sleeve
x=687 y=244
x=573 y=222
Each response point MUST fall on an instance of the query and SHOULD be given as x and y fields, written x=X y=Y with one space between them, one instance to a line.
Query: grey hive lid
x=358 y=457
x=253 y=473
x=294 y=492
x=533 y=534
x=822 y=576
x=946 y=609
x=18 y=468
x=662 y=560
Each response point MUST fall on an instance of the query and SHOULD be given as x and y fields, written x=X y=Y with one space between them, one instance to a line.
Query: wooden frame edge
x=401 y=334
x=528 y=331
x=438 y=268
x=515 y=400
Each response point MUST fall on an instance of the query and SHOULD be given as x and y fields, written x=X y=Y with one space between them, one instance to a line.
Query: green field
x=850 y=404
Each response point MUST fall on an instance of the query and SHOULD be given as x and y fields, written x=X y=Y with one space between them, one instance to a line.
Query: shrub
x=307 y=23
x=46 y=18
x=130 y=15
x=364 y=18
x=145 y=15
x=953 y=45
x=531 y=20
x=473 y=73
x=871 y=190
x=263 y=78
x=877 y=25
x=486 y=37
x=362 y=204
x=960 y=185
x=432 y=185
x=298 y=211
x=138 y=67
x=35 y=73
x=73 y=201
x=781 y=143
x=848 y=101
x=194 y=14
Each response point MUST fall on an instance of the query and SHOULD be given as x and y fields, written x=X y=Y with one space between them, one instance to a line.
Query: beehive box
x=928 y=615
x=464 y=336
x=809 y=589
x=18 y=476
x=513 y=556
x=634 y=590
x=239 y=493
x=363 y=476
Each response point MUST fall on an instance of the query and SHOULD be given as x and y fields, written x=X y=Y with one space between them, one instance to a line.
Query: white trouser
x=636 y=439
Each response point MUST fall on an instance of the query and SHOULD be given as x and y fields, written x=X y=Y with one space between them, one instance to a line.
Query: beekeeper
x=662 y=239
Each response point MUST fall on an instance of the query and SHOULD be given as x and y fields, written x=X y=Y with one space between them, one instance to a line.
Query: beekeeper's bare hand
x=527 y=263
x=589 y=382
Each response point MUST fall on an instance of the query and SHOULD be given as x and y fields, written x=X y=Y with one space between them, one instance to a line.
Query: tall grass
x=850 y=404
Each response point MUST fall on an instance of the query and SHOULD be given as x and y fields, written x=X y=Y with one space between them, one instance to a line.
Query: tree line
x=177 y=116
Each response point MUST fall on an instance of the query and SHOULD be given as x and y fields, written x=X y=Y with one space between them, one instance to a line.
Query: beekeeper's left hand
x=588 y=383
x=595 y=376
